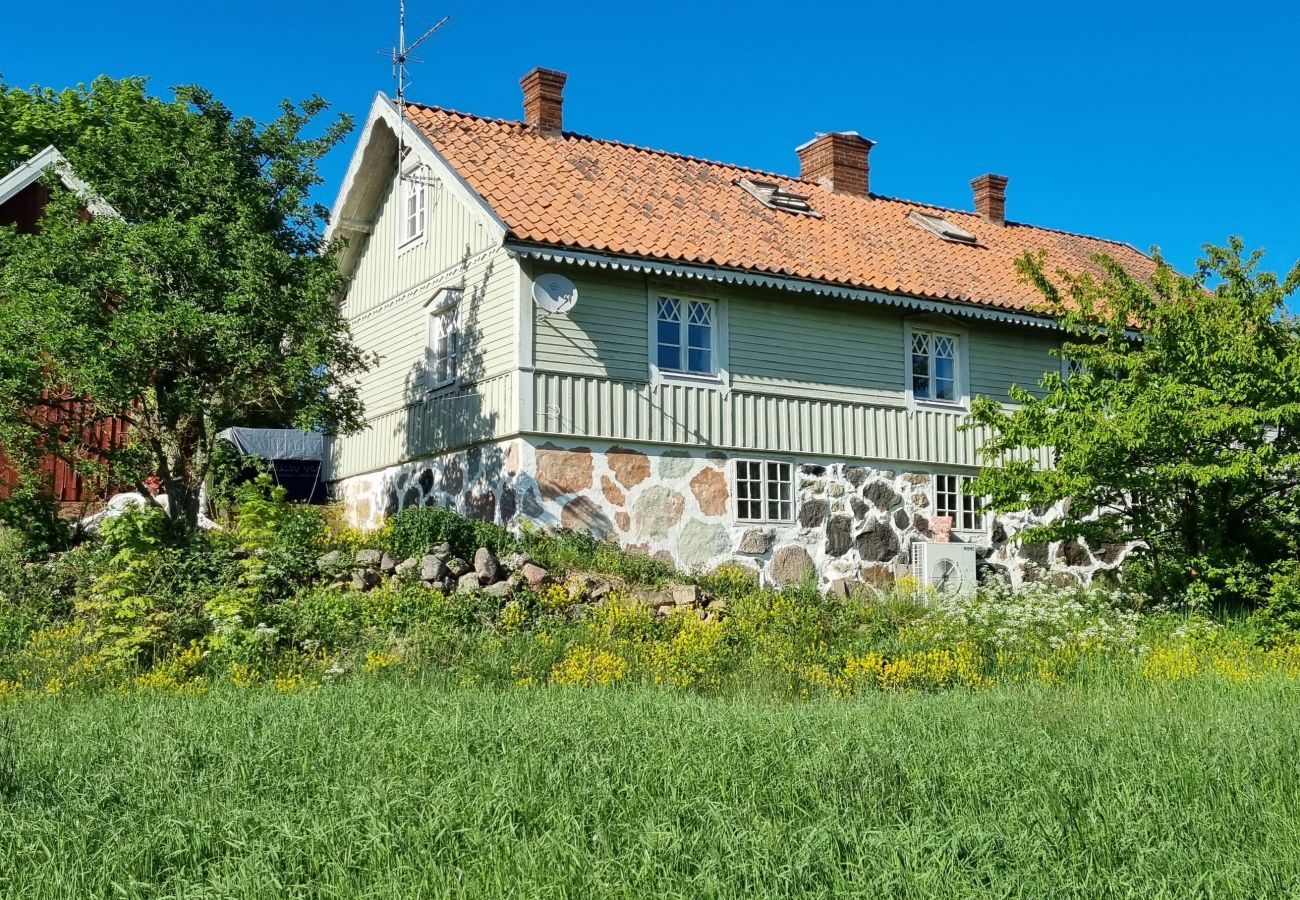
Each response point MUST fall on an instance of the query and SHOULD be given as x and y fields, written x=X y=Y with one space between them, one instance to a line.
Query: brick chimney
x=837 y=160
x=544 y=99
x=991 y=197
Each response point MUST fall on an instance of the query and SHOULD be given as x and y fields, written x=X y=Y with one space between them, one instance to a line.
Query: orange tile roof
x=578 y=192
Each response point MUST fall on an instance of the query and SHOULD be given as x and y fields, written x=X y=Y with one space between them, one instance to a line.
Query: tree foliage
x=210 y=303
x=1182 y=427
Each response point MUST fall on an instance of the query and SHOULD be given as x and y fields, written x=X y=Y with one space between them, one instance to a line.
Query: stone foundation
x=855 y=523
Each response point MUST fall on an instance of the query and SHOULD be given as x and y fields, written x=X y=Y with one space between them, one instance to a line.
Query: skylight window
x=773 y=196
x=942 y=227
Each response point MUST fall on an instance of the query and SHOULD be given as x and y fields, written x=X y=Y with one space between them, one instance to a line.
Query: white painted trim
x=720 y=377
x=961 y=477
x=936 y=325
x=525 y=343
x=732 y=477
x=412 y=177
x=692 y=271
x=28 y=173
x=382 y=109
x=443 y=301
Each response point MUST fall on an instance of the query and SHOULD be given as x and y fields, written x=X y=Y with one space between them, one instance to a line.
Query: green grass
x=387 y=789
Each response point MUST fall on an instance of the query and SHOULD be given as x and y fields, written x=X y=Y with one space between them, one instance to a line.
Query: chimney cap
x=851 y=135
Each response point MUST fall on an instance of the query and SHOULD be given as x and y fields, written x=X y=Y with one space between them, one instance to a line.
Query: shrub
x=416 y=529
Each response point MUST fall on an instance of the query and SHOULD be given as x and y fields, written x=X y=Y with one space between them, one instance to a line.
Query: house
x=24 y=194
x=758 y=367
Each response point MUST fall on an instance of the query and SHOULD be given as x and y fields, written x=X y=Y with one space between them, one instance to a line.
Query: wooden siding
x=606 y=334
x=779 y=344
x=584 y=406
x=397 y=331
x=455 y=234
x=386 y=310
x=427 y=426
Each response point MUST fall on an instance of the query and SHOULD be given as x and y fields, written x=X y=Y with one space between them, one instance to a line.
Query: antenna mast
x=401 y=55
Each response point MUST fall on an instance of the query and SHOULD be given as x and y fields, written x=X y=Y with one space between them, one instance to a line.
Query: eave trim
x=609 y=262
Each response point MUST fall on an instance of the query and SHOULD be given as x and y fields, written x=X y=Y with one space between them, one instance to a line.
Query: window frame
x=965 y=504
x=764 y=499
x=718 y=376
x=413 y=180
x=443 y=304
x=961 y=363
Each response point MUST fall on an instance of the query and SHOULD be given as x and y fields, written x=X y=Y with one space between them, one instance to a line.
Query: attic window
x=773 y=196
x=942 y=227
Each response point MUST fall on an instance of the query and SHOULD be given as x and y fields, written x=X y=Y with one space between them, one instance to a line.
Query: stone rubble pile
x=440 y=568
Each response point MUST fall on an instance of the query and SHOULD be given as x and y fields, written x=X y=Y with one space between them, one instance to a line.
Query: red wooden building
x=24 y=193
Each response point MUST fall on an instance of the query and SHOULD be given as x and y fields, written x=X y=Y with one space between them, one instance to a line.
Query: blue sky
x=1163 y=123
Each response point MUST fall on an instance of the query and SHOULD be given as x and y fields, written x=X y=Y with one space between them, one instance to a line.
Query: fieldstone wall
x=481 y=482
x=855 y=523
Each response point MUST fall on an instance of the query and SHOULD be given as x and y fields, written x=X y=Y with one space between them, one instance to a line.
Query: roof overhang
x=50 y=159
x=372 y=168
x=715 y=274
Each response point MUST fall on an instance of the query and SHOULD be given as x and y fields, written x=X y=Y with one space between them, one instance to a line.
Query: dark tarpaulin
x=295 y=457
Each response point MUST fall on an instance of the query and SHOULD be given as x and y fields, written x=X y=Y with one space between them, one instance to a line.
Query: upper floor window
x=1071 y=367
x=764 y=491
x=934 y=366
x=954 y=498
x=686 y=336
x=442 y=350
x=415 y=208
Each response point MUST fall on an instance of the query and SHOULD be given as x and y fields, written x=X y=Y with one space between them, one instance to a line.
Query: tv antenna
x=401 y=55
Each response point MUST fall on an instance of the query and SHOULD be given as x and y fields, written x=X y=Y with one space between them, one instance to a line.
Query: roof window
x=942 y=227
x=773 y=196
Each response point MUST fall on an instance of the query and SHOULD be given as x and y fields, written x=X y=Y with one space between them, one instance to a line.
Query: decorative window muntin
x=686 y=335
x=442 y=350
x=934 y=366
x=764 y=491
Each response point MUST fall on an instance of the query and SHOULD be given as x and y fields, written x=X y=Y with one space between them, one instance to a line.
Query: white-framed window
x=686 y=335
x=935 y=365
x=414 y=213
x=1071 y=367
x=442 y=348
x=764 y=491
x=954 y=498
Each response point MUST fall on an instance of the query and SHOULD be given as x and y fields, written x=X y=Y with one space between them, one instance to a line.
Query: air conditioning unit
x=946 y=568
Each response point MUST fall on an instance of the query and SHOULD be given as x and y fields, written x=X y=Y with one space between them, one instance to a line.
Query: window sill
x=414 y=242
x=689 y=379
x=443 y=388
x=940 y=405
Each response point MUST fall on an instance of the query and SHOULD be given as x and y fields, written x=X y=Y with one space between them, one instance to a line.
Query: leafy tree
x=210 y=303
x=1182 y=428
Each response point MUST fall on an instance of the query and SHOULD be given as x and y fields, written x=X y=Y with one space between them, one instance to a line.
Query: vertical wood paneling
x=483 y=412
x=579 y=406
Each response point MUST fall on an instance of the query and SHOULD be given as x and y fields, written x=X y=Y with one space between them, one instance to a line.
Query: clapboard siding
x=779 y=344
x=455 y=234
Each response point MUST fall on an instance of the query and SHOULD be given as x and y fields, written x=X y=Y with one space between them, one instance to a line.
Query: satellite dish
x=554 y=293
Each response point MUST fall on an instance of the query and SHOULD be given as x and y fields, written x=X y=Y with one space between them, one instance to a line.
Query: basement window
x=943 y=228
x=953 y=498
x=764 y=491
x=773 y=196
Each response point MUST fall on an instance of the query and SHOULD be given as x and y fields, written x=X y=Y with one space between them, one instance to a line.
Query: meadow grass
x=389 y=788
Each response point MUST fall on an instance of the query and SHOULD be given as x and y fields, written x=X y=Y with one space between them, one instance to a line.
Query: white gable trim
x=28 y=173
x=384 y=110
